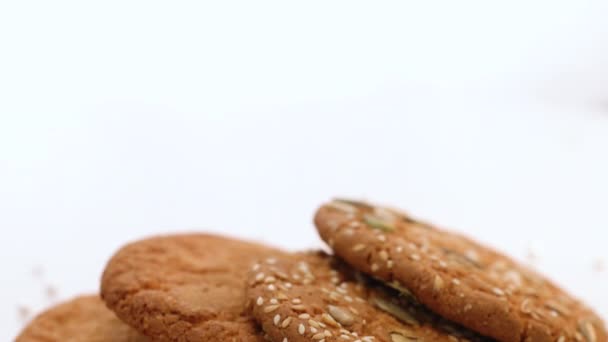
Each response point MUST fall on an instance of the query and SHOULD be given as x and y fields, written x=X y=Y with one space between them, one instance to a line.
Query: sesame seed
x=286 y=322
x=271 y=287
x=270 y=308
x=271 y=261
x=399 y=249
x=260 y=301
x=301 y=329
x=274 y=301
x=375 y=267
x=318 y=336
x=298 y=307
x=437 y=283
x=382 y=238
x=255 y=267
x=358 y=247
x=329 y=320
x=415 y=257
x=456 y=281
x=313 y=330
x=259 y=276
x=270 y=279
x=277 y=319
x=304 y=316
x=383 y=255
x=296 y=301
x=498 y=291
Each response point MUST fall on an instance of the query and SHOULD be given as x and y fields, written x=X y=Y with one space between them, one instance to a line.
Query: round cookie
x=81 y=319
x=184 y=287
x=455 y=276
x=315 y=297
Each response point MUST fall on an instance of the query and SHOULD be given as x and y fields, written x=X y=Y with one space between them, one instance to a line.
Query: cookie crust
x=315 y=297
x=455 y=276
x=82 y=319
x=187 y=287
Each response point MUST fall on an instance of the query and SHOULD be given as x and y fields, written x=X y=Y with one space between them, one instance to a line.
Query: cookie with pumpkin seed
x=188 y=287
x=455 y=276
x=84 y=318
x=315 y=297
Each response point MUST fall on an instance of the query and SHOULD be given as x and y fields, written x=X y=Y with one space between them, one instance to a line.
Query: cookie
x=455 y=276
x=83 y=319
x=184 y=287
x=315 y=297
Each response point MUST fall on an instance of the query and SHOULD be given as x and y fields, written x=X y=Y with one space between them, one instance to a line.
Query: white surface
x=125 y=119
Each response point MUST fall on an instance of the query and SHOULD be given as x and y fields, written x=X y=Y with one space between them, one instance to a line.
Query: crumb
x=23 y=313
x=50 y=292
x=531 y=257
x=598 y=265
x=37 y=271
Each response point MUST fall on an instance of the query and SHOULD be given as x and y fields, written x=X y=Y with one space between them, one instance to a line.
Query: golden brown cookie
x=455 y=276
x=184 y=287
x=83 y=319
x=315 y=297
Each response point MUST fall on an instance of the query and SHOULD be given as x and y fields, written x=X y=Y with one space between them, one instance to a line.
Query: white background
x=123 y=119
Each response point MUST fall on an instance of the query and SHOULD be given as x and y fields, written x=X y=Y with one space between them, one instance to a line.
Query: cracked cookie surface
x=187 y=287
x=82 y=319
x=315 y=297
x=454 y=276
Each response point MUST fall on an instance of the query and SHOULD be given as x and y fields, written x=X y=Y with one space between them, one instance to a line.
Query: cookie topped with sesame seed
x=454 y=276
x=184 y=287
x=315 y=297
x=80 y=319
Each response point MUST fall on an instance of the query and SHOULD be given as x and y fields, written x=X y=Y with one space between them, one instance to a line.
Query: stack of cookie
x=391 y=278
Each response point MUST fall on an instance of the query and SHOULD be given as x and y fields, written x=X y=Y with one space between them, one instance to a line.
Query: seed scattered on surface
x=375 y=267
x=588 y=331
x=301 y=329
x=498 y=291
x=296 y=301
x=383 y=255
x=526 y=306
x=437 y=283
x=318 y=336
x=286 y=322
x=358 y=247
x=304 y=316
x=341 y=315
x=277 y=319
x=271 y=308
x=378 y=223
x=395 y=310
x=397 y=337
x=415 y=257
x=329 y=320
x=342 y=206
x=553 y=305
x=260 y=301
